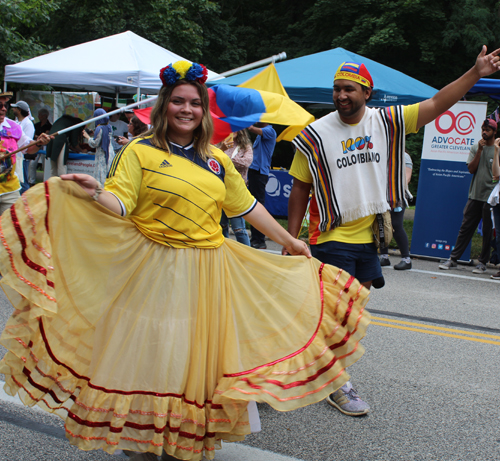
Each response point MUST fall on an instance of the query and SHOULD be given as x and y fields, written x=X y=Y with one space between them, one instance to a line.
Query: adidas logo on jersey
x=164 y=164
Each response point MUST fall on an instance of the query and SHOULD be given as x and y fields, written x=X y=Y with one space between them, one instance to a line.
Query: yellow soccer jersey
x=358 y=231
x=176 y=198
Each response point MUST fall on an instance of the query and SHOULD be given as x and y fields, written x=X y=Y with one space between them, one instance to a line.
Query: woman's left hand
x=298 y=247
x=88 y=183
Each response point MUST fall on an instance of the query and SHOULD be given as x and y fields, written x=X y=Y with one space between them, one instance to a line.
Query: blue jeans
x=239 y=229
x=359 y=259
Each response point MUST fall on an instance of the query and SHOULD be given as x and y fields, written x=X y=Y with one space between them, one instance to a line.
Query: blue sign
x=443 y=189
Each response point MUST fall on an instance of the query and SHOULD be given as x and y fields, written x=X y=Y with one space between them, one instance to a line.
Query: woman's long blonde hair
x=202 y=134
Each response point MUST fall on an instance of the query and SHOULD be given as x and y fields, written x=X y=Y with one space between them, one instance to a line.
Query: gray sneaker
x=348 y=403
x=480 y=269
x=448 y=265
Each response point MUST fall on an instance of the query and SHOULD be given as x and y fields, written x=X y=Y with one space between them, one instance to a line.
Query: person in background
x=239 y=149
x=119 y=128
x=59 y=147
x=479 y=164
x=102 y=143
x=42 y=126
x=22 y=112
x=258 y=172
x=397 y=218
x=135 y=128
x=129 y=113
x=12 y=138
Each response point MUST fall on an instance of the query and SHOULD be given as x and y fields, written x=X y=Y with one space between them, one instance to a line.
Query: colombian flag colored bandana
x=355 y=72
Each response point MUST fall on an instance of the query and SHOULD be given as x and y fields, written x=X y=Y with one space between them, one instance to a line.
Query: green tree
x=172 y=24
x=251 y=30
x=18 y=36
x=431 y=40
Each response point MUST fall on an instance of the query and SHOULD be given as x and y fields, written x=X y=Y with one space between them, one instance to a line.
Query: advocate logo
x=463 y=123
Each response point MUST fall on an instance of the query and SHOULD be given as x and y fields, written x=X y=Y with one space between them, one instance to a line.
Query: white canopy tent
x=122 y=63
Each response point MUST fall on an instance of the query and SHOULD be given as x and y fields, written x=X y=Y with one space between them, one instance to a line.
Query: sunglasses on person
x=4 y=104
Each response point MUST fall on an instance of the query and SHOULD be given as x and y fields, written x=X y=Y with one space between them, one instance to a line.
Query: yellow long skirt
x=139 y=346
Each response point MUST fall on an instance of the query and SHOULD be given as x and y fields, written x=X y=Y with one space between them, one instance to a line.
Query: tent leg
x=138 y=94
x=117 y=95
x=4 y=86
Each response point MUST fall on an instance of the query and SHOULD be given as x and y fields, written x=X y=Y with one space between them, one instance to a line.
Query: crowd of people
x=155 y=334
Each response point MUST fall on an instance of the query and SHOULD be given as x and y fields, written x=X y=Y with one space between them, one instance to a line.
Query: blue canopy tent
x=309 y=79
x=487 y=86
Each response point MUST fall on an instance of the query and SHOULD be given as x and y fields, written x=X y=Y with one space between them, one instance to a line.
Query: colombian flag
x=261 y=99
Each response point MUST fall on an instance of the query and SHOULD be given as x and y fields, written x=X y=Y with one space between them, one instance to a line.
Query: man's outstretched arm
x=429 y=109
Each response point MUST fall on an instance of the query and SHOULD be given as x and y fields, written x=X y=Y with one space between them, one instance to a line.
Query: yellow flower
x=181 y=67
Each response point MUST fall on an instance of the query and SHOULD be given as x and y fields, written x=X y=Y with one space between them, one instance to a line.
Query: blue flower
x=169 y=76
x=195 y=72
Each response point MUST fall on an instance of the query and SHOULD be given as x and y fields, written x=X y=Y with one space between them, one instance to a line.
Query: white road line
x=229 y=452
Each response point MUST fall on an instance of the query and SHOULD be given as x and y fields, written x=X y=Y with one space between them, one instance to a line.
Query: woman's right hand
x=122 y=140
x=88 y=183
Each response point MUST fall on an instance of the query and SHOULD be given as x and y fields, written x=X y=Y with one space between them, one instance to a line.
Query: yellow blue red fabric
x=236 y=108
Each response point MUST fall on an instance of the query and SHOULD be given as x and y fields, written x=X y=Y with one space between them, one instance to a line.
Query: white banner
x=454 y=132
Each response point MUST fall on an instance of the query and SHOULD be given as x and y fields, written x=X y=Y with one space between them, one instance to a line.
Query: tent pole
x=4 y=86
x=117 y=95
x=138 y=94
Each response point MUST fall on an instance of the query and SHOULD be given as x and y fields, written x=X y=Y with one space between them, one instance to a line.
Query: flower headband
x=183 y=70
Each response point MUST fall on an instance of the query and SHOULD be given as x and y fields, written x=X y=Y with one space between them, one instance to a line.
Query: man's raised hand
x=487 y=64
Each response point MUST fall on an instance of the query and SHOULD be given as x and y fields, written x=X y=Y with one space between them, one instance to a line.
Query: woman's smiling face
x=184 y=114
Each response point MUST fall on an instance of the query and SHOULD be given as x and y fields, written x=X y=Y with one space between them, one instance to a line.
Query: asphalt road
x=430 y=375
